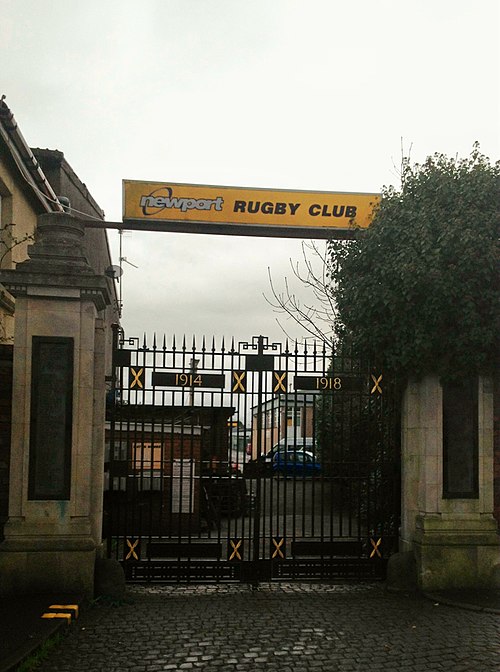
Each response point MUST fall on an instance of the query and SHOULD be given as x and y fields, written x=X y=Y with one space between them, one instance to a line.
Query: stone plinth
x=453 y=539
x=51 y=543
x=456 y=551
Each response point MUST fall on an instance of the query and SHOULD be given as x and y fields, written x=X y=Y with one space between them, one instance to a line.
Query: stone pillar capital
x=57 y=265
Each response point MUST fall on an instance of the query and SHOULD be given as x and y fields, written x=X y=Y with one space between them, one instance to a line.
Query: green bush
x=418 y=292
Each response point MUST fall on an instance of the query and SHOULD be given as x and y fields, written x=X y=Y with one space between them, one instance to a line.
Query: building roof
x=185 y=414
x=281 y=401
x=47 y=177
x=61 y=175
x=26 y=162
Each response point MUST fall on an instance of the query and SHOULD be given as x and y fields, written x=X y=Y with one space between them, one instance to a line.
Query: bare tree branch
x=316 y=317
x=14 y=243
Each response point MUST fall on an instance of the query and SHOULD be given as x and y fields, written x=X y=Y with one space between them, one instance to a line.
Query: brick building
x=34 y=182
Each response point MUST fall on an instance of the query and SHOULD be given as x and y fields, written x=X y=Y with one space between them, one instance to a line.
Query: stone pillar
x=53 y=532
x=453 y=539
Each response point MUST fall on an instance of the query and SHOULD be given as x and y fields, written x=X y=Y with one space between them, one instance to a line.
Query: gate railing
x=257 y=460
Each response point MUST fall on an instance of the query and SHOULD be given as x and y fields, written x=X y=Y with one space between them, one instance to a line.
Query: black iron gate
x=249 y=461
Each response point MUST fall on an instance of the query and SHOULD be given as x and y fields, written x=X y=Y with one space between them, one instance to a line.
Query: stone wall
x=453 y=537
x=496 y=444
x=6 y=355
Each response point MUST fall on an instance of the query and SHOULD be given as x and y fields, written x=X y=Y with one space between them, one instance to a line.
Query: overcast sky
x=289 y=94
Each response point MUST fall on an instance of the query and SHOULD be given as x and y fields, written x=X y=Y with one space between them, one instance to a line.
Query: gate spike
x=213 y=345
x=326 y=356
x=154 y=340
x=164 y=342
x=184 y=343
x=232 y=345
x=222 y=349
x=194 y=344
x=144 y=346
x=203 y=345
x=173 y=344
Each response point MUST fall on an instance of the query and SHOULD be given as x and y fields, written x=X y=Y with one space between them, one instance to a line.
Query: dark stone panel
x=51 y=418
x=460 y=439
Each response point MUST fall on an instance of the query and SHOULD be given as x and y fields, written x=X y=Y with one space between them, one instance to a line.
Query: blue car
x=299 y=463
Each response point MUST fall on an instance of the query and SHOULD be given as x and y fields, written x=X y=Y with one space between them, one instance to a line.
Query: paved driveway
x=285 y=627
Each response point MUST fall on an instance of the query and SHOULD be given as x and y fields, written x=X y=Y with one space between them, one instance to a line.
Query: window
x=5 y=228
x=5 y=206
x=293 y=417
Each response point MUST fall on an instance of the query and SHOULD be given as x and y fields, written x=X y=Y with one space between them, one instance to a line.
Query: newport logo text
x=163 y=199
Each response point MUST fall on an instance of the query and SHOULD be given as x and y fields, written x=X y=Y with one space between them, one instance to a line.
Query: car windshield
x=296 y=456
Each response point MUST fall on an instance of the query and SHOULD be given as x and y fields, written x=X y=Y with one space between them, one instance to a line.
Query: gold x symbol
x=137 y=378
x=375 y=547
x=238 y=377
x=235 y=546
x=132 y=547
x=278 y=542
x=376 y=387
x=279 y=376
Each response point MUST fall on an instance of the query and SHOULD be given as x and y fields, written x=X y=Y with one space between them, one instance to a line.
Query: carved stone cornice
x=57 y=264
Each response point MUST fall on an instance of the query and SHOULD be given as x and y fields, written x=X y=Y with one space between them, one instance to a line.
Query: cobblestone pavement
x=285 y=627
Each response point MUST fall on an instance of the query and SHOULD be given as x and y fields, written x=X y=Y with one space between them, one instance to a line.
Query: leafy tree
x=418 y=292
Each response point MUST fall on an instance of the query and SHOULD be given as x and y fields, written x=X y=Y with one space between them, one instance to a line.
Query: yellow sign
x=238 y=206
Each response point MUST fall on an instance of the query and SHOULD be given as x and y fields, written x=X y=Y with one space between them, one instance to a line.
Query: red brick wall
x=146 y=447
